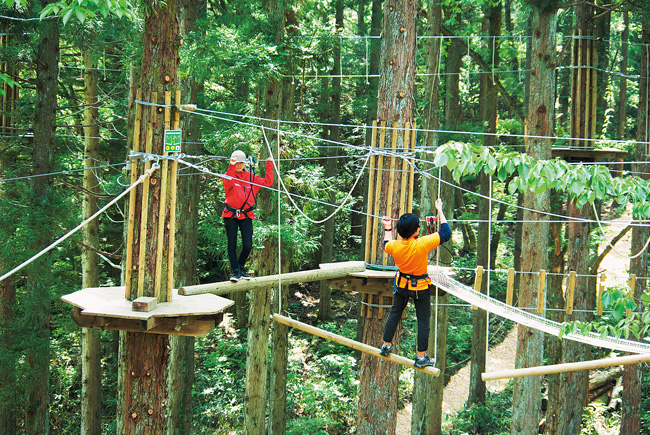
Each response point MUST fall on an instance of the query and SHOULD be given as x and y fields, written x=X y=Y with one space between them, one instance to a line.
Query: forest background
x=69 y=75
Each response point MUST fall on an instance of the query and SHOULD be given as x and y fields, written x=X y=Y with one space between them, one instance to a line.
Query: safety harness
x=402 y=279
x=240 y=211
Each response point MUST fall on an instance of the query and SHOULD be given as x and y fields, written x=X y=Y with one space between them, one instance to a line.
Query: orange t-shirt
x=412 y=256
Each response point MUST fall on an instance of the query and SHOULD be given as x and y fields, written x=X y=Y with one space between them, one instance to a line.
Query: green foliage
x=598 y=418
x=491 y=418
x=84 y=9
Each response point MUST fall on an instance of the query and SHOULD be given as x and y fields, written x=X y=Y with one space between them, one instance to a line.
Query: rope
x=532 y=321
x=376 y=305
x=296 y=205
x=80 y=226
x=610 y=243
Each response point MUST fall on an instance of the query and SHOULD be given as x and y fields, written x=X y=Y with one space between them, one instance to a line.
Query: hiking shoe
x=235 y=276
x=245 y=274
x=424 y=361
x=385 y=350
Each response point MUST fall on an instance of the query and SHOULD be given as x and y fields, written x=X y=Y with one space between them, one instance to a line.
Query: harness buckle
x=238 y=213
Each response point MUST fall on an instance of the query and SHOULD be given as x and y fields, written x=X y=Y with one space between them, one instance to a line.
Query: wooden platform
x=106 y=308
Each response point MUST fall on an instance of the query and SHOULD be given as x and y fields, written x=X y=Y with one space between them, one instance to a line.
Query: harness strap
x=239 y=211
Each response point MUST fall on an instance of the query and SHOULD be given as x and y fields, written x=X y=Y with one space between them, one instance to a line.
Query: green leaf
x=81 y=16
x=67 y=16
x=630 y=304
x=440 y=160
x=577 y=187
x=619 y=310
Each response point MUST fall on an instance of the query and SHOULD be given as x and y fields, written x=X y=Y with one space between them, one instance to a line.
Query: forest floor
x=502 y=356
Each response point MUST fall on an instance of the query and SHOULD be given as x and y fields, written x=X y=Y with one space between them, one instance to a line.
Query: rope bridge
x=522 y=317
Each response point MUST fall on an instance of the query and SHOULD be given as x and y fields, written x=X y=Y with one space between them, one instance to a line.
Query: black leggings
x=422 y=302
x=246 y=228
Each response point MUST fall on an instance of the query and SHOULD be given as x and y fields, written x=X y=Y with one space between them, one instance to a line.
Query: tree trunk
x=378 y=392
x=632 y=375
x=181 y=355
x=38 y=274
x=91 y=416
x=555 y=307
x=279 y=363
x=622 y=93
x=603 y=32
x=144 y=358
x=8 y=362
x=526 y=401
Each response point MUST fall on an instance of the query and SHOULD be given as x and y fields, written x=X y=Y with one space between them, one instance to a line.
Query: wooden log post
x=571 y=292
x=511 y=286
x=541 y=294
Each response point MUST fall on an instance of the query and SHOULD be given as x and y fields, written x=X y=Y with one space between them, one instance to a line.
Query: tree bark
x=38 y=275
x=622 y=93
x=91 y=417
x=526 y=401
x=378 y=393
x=632 y=375
x=144 y=358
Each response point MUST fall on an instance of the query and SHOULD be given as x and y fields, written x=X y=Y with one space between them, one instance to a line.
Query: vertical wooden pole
x=511 y=285
x=391 y=182
x=631 y=294
x=145 y=198
x=131 y=218
x=601 y=288
x=172 y=209
x=570 y=294
x=377 y=196
x=478 y=281
x=578 y=85
x=405 y=167
x=414 y=133
x=371 y=183
x=594 y=87
x=542 y=291
x=162 y=209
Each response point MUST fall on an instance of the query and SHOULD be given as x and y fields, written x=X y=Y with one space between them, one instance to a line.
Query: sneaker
x=424 y=361
x=245 y=274
x=385 y=350
x=235 y=276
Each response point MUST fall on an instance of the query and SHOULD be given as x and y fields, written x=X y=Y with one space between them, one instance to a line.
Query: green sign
x=172 y=141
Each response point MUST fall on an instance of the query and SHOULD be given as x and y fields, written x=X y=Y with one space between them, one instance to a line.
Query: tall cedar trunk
x=622 y=93
x=632 y=375
x=526 y=401
x=7 y=287
x=91 y=418
x=603 y=31
x=480 y=317
x=564 y=75
x=279 y=362
x=181 y=356
x=555 y=307
x=576 y=384
x=425 y=417
x=273 y=107
x=378 y=390
x=327 y=238
x=38 y=274
x=144 y=358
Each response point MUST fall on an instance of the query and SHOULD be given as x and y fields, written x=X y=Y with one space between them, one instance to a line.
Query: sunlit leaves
x=84 y=9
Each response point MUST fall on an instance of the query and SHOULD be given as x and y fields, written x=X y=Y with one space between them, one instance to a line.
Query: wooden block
x=511 y=286
x=148 y=324
x=601 y=289
x=571 y=292
x=144 y=304
x=478 y=282
x=542 y=291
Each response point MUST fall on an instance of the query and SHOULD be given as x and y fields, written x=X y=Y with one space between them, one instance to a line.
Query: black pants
x=246 y=228
x=422 y=301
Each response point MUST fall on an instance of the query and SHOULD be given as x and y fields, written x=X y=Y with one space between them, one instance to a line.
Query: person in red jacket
x=241 y=189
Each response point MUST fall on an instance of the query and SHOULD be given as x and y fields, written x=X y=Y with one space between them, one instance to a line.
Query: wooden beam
x=599 y=296
x=542 y=291
x=567 y=367
x=222 y=288
x=351 y=343
x=511 y=285
x=377 y=195
x=478 y=282
x=371 y=178
x=571 y=292
x=172 y=211
x=131 y=219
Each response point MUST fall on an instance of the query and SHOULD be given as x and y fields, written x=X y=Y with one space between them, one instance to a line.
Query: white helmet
x=239 y=156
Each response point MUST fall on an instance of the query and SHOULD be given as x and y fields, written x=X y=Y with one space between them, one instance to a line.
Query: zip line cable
x=26 y=177
x=81 y=225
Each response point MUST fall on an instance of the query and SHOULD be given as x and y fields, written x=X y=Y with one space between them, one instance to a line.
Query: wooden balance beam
x=566 y=367
x=327 y=271
x=351 y=343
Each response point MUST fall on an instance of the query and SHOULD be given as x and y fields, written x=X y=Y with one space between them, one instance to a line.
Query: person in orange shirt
x=411 y=255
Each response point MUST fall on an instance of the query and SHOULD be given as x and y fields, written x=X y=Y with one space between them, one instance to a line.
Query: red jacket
x=238 y=190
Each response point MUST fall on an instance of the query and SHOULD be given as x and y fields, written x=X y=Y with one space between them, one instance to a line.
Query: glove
x=431 y=223
x=252 y=160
